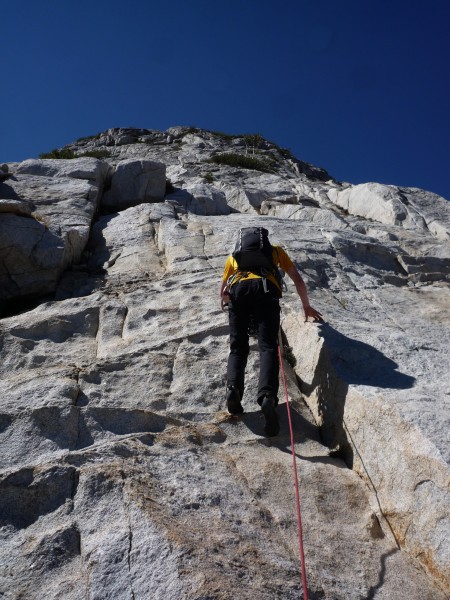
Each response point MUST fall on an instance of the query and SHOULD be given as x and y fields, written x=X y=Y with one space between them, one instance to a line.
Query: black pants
x=248 y=299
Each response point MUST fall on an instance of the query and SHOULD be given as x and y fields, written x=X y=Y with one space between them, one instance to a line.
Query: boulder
x=200 y=199
x=62 y=197
x=31 y=257
x=392 y=206
x=87 y=168
x=135 y=181
x=124 y=242
x=249 y=195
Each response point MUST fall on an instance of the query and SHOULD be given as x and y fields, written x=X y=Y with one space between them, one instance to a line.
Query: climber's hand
x=315 y=315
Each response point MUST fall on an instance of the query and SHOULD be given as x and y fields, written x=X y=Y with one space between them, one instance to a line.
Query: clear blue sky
x=359 y=87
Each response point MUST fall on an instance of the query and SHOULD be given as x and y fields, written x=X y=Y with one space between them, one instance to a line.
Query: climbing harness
x=294 y=462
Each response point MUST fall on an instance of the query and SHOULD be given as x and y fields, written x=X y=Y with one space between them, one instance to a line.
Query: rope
x=294 y=462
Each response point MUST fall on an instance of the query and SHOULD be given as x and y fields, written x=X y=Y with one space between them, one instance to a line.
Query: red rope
x=297 y=494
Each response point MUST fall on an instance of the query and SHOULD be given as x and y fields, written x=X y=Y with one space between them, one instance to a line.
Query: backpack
x=253 y=251
x=254 y=254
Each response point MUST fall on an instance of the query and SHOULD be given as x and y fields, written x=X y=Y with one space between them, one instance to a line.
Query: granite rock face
x=122 y=475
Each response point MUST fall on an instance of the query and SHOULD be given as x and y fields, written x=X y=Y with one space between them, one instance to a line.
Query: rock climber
x=252 y=287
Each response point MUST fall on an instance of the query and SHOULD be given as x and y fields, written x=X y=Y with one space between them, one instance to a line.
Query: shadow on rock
x=28 y=494
x=304 y=431
x=7 y=192
x=359 y=363
x=342 y=362
x=382 y=574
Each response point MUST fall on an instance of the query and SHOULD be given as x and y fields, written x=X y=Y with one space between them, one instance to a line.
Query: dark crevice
x=130 y=548
x=125 y=315
x=16 y=306
x=114 y=210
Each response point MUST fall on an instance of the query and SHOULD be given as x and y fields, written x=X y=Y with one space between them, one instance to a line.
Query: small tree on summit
x=253 y=140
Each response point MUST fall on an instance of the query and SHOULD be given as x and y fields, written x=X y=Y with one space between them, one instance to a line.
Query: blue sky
x=359 y=87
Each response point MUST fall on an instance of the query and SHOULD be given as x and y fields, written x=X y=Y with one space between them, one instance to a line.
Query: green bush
x=95 y=154
x=208 y=177
x=285 y=152
x=89 y=138
x=225 y=136
x=240 y=161
x=64 y=153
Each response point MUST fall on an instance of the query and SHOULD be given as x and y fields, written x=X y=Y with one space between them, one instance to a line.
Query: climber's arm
x=300 y=286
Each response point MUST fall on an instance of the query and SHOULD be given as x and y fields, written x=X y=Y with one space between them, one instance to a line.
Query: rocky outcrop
x=201 y=199
x=32 y=257
x=395 y=206
x=134 y=182
x=121 y=472
x=46 y=211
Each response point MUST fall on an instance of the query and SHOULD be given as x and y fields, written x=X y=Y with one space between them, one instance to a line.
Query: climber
x=251 y=287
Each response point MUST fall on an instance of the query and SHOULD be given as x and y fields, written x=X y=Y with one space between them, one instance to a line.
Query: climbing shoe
x=234 y=405
x=268 y=407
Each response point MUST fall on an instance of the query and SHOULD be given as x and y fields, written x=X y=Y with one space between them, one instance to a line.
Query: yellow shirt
x=279 y=257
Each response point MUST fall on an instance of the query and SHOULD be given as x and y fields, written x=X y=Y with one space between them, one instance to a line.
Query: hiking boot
x=234 y=405
x=269 y=410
